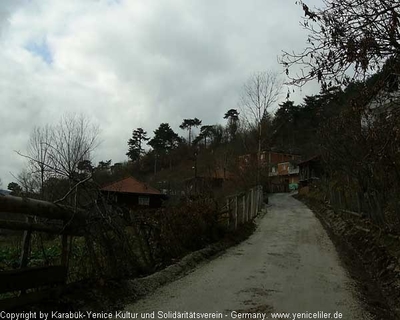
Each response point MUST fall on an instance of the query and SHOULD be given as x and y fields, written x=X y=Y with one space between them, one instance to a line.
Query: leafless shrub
x=172 y=232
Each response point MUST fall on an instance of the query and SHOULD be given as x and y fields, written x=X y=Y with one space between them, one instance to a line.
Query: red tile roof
x=130 y=185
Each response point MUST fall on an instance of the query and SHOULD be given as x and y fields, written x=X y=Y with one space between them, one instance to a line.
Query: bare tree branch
x=347 y=40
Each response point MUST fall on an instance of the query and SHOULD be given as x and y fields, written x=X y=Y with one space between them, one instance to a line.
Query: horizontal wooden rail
x=27 y=278
x=40 y=208
x=65 y=220
x=20 y=225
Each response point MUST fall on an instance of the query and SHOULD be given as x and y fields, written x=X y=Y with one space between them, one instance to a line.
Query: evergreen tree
x=233 y=119
x=135 y=144
x=206 y=132
x=164 y=140
x=15 y=188
x=188 y=124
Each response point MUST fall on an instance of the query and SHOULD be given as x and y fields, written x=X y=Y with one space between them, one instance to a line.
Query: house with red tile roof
x=131 y=193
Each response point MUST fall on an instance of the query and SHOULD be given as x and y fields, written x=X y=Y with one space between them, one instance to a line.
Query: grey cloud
x=6 y=9
x=136 y=63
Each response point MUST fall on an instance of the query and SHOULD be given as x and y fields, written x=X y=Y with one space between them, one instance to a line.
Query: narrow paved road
x=288 y=265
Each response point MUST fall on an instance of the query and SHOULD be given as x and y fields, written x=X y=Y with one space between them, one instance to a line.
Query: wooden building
x=132 y=193
x=284 y=176
x=310 y=171
x=267 y=159
x=281 y=168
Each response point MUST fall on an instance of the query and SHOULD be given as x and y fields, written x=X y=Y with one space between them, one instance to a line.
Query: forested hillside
x=166 y=158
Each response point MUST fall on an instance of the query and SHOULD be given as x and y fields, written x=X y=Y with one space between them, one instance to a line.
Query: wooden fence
x=32 y=284
x=343 y=197
x=60 y=220
x=367 y=205
x=243 y=207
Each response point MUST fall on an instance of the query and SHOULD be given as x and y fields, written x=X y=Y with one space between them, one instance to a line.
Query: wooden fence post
x=258 y=200
x=250 y=213
x=241 y=210
x=64 y=250
x=244 y=209
x=253 y=203
x=229 y=213
x=26 y=246
x=235 y=221
x=247 y=207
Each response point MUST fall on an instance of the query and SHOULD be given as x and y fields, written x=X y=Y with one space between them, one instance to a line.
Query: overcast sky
x=131 y=63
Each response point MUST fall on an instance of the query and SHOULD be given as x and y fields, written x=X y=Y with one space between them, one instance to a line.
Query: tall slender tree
x=39 y=150
x=260 y=93
x=188 y=124
x=233 y=119
x=206 y=132
x=135 y=144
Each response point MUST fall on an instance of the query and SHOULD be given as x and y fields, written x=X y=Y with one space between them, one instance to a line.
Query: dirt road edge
x=369 y=262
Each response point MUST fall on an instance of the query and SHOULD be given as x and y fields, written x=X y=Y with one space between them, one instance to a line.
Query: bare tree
x=260 y=93
x=28 y=181
x=73 y=140
x=40 y=142
x=346 y=40
x=58 y=151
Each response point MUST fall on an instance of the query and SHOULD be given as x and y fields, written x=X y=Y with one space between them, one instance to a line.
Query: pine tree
x=135 y=144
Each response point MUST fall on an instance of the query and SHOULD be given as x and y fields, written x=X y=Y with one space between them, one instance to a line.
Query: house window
x=144 y=201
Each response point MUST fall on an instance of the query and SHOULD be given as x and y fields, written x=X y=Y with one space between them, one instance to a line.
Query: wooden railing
x=60 y=220
x=243 y=207
x=32 y=284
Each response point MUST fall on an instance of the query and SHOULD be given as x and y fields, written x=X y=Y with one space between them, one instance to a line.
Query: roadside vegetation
x=354 y=46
